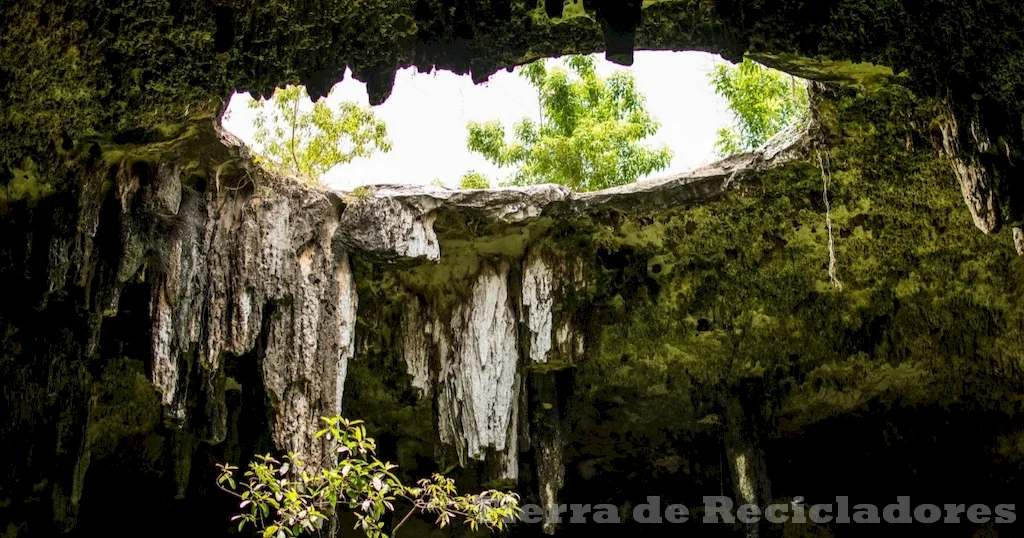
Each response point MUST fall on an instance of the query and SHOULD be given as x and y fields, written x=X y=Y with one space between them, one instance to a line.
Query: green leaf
x=763 y=102
x=309 y=139
x=589 y=136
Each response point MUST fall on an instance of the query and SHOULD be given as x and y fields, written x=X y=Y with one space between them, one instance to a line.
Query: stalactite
x=348 y=305
x=478 y=381
x=551 y=334
x=976 y=182
x=745 y=454
x=538 y=300
x=416 y=347
x=548 y=437
x=250 y=274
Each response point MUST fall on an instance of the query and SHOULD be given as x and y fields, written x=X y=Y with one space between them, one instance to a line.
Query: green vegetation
x=358 y=194
x=25 y=184
x=474 y=180
x=589 y=133
x=764 y=102
x=291 y=498
x=309 y=143
x=738 y=289
x=695 y=304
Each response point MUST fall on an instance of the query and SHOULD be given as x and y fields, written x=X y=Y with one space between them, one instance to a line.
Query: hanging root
x=826 y=179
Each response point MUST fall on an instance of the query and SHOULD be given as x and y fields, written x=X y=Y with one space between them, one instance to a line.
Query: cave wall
x=168 y=304
x=679 y=337
x=702 y=347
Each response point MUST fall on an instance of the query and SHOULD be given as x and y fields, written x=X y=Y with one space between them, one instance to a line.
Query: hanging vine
x=826 y=180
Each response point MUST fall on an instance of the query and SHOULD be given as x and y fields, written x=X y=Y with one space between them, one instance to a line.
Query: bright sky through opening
x=427 y=113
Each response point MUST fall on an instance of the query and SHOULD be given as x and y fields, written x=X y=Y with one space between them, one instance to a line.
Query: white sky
x=427 y=113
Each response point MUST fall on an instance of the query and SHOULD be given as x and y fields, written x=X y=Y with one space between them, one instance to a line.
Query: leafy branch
x=588 y=136
x=763 y=101
x=309 y=143
x=285 y=498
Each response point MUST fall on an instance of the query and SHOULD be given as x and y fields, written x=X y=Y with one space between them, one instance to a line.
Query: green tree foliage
x=764 y=101
x=589 y=132
x=308 y=143
x=474 y=180
x=286 y=498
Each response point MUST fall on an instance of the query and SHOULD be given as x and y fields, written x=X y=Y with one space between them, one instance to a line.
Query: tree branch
x=291 y=144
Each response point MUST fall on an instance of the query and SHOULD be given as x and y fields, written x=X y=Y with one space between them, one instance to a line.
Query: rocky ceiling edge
x=74 y=71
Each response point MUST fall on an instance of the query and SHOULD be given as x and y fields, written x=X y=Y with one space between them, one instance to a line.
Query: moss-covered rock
x=706 y=346
x=730 y=300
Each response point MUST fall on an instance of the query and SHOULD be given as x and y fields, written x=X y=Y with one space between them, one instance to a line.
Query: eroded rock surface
x=976 y=182
x=252 y=276
x=479 y=380
x=547 y=282
x=676 y=336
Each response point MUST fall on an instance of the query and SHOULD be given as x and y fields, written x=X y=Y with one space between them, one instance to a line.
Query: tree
x=286 y=498
x=308 y=143
x=474 y=180
x=763 y=101
x=589 y=132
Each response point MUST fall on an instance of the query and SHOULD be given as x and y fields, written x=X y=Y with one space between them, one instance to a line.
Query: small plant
x=474 y=180
x=358 y=194
x=285 y=498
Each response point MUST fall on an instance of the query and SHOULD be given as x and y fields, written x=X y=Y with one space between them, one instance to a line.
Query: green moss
x=554 y=363
x=126 y=405
x=358 y=195
x=26 y=184
x=863 y=76
x=132 y=257
x=230 y=384
x=743 y=291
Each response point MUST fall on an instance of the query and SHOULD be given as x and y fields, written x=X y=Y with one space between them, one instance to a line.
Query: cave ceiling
x=76 y=69
x=162 y=232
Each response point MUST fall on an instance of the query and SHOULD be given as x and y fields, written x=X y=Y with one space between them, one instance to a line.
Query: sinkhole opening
x=579 y=121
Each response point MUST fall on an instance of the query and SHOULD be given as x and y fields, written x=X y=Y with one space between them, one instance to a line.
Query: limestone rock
x=976 y=182
x=388 y=228
x=546 y=281
x=416 y=347
x=255 y=274
x=478 y=386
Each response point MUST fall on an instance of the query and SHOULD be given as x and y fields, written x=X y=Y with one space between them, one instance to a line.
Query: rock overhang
x=77 y=74
x=674 y=266
x=148 y=66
